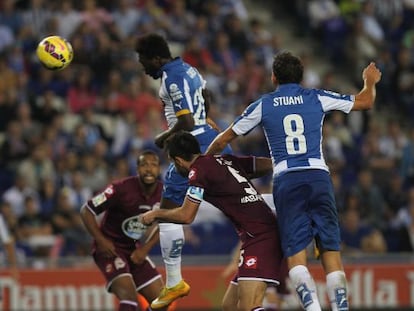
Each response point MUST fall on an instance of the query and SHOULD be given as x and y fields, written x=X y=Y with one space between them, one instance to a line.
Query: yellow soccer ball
x=54 y=52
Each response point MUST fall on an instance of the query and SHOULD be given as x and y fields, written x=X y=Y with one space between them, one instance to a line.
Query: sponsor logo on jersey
x=133 y=228
x=251 y=198
x=287 y=100
x=175 y=94
x=191 y=72
x=251 y=262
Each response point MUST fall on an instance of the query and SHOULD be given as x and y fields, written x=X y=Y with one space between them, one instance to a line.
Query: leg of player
x=251 y=294
x=335 y=280
x=151 y=291
x=230 y=299
x=272 y=300
x=171 y=242
x=303 y=282
x=123 y=288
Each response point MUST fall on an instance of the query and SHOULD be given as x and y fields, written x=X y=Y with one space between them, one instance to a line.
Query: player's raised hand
x=371 y=74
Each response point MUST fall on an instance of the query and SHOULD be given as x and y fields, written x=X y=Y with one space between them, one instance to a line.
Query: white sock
x=305 y=288
x=172 y=242
x=337 y=291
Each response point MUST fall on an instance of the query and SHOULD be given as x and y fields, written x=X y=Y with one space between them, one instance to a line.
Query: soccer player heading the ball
x=182 y=92
x=292 y=119
x=224 y=181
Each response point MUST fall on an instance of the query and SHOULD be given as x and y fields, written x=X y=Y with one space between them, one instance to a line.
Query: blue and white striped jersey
x=181 y=93
x=292 y=119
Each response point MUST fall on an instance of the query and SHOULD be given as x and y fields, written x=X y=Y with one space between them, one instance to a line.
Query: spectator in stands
x=10 y=16
x=14 y=148
x=82 y=94
x=37 y=167
x=199 y=56
x=225 y=55
x=31 y=129
x=404 y=82
x=238 y=36
x=407 y=161
x=359 y=237
x=395 y=196
x=66 y=222
x=68 y=19
x=77 y=192
x=180 y=22
x=8 y=244
x=95 y=173
x=372 y=204
x=95 y=17
x=35 y=231
x=16 y=194
x=400 y=231
x=126 y=17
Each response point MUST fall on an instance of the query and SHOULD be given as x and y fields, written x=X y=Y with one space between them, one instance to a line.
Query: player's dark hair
x=144 y=153
x=287 y=68
x=152 y=45
x=182 y=144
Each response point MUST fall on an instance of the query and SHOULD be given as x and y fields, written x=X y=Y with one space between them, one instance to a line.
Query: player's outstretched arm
x=184 y=122
x=184 y=214
x=366 y=97
x=221 y=141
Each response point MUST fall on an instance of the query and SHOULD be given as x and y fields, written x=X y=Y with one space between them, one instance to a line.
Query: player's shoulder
x=125 y=183
x=202 y=165
x=204 y=159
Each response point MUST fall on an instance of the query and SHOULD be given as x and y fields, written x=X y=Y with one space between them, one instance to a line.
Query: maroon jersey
x=222 y=181
x=123 y=201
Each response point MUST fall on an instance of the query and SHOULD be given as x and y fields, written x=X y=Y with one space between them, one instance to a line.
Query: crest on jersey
x=133 y=228
x=192 y=174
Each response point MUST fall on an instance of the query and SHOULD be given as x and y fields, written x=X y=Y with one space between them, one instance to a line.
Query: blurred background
x=65 y=135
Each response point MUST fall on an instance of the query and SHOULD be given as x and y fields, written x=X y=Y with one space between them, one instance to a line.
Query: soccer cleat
x=168 y=295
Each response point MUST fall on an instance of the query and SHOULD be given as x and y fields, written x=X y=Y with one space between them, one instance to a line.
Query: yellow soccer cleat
x=168 y=295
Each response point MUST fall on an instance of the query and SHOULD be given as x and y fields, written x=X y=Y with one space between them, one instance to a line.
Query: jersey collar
x=169 y=65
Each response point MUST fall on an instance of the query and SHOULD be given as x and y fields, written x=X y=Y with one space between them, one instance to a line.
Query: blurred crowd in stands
x=65 y=135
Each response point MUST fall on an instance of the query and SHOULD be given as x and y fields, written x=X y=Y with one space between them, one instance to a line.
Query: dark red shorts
x=142 y=274
x=261 y=258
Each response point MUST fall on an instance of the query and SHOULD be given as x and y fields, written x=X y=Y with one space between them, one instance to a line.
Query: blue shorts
x=175 y=185
x=305 y=206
